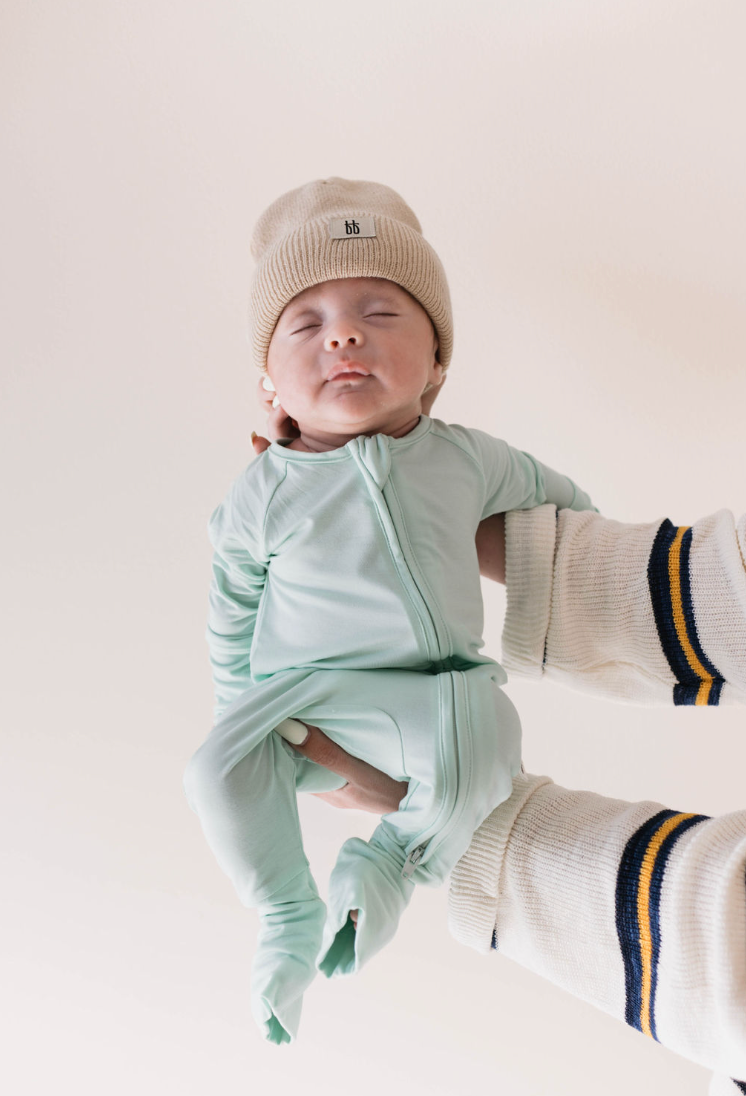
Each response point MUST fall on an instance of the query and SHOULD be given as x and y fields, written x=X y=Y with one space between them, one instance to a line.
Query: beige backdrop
x=580 y=168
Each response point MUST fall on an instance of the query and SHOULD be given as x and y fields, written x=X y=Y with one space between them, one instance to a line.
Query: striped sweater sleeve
x=635 y=908
x=626 y=611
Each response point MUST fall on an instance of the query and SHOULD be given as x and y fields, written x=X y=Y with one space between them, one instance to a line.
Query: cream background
x=580 y=169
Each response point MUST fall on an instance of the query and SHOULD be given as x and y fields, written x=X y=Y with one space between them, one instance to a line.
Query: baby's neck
x=317 y=441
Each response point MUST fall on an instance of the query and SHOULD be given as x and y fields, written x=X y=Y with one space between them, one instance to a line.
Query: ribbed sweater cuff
x=530 y=537
x=472 y=897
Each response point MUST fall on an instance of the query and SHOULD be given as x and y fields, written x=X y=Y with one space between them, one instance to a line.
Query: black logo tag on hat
x=347 y=228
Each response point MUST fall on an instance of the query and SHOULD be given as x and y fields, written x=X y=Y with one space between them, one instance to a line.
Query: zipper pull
x=412 y=861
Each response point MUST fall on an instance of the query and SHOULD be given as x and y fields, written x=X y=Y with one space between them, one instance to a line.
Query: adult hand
x=279 y=423
x=431 y=395
x=367 y=789
x=490 y=541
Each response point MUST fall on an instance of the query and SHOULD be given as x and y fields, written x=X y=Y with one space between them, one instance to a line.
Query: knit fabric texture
x=643 y=614
x=295 y=247
x=633 y=907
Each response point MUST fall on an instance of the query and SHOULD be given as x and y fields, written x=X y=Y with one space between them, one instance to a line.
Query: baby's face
x=353 y=356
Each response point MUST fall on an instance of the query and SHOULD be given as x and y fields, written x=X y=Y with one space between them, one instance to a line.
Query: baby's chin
x=353 y=412
x=346 y=416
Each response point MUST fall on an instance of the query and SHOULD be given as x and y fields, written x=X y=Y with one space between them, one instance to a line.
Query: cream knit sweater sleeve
x=637 y=909
x=647 y=614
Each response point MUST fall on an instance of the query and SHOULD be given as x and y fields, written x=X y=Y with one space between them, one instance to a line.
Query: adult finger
x=431 y=395
x=367 y=788
x=264 y=396
x=279 y=423
x=258 y=443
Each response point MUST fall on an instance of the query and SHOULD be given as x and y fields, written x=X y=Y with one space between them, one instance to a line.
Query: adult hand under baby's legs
x=367 y=788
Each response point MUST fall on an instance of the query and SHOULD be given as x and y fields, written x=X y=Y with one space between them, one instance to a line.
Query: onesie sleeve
x=238 y=580
x=515 y=480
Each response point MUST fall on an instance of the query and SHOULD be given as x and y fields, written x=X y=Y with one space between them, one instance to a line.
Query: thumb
x=259 y=444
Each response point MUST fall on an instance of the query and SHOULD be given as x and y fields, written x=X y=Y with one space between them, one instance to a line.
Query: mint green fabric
x=346 y=594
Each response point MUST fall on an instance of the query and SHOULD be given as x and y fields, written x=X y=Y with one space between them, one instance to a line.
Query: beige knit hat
x=342 y=228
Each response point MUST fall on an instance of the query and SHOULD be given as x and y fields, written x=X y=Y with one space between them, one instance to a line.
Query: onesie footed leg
x=366 y=879
x=290 y=935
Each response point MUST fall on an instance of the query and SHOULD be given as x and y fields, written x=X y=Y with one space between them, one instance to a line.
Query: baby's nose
x=345 y=332
x=337 y=340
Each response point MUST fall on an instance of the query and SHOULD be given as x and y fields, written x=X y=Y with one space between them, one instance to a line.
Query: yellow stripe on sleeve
x=677 y=608
x=643 y=914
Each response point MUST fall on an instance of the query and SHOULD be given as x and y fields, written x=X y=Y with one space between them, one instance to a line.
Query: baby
x=346 y=591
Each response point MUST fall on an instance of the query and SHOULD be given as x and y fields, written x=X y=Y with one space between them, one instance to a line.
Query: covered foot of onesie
x=290 y=934
x=367 y=879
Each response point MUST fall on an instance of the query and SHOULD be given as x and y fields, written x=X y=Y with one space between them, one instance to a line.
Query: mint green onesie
x=346 y=594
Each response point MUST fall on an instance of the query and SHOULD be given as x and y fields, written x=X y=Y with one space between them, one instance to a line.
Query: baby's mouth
x=348 y=371
x=351 y=377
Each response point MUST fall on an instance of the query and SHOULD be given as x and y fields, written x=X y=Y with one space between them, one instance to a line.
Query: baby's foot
x=284 y=965
x=367 y=896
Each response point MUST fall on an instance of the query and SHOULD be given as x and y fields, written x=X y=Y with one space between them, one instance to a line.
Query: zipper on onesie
x=412 y=861
x=373 y=459
x=438 y=832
